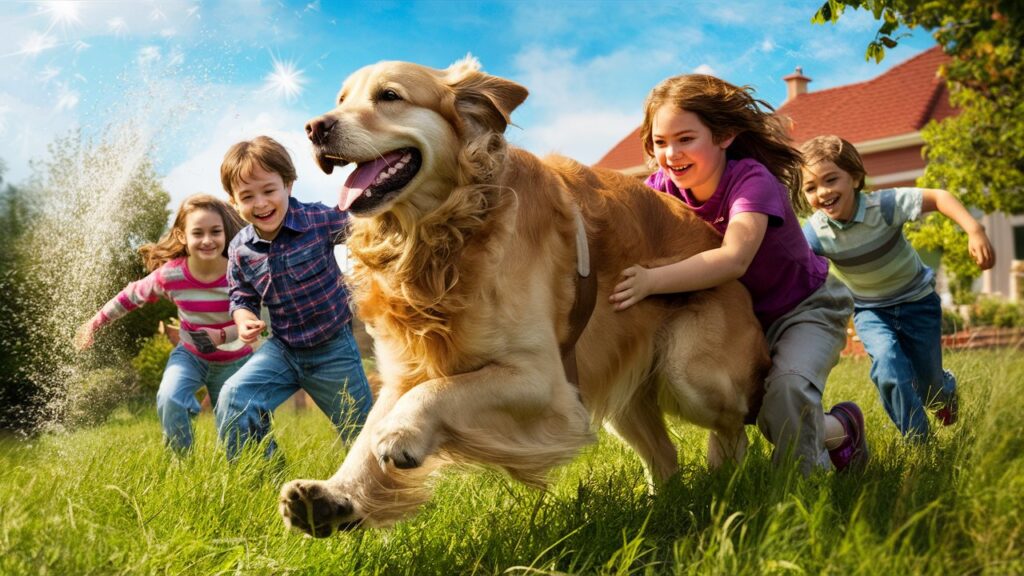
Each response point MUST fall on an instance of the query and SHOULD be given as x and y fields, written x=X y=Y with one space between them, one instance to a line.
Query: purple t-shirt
x=784 y=271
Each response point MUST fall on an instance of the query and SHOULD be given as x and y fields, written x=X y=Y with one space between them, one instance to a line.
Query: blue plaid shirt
x=295 y=275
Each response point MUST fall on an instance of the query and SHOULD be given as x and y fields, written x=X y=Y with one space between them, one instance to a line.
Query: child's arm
x=707 y=269
x=947 y=205
x=134 y=296
x=244 y=299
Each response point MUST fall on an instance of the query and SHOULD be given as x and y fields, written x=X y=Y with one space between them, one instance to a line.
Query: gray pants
x=805 y=346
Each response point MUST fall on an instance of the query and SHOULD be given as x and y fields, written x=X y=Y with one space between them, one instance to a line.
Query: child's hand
x=84 y=336
x=249 y=330
x=981 y=249
x=634 y=287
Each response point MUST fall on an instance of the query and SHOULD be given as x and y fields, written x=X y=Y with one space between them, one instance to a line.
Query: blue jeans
x=176 y=402
x=905 y=345
x=331 y=373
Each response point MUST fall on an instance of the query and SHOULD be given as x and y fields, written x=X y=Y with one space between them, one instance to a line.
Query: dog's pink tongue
x=364 y=175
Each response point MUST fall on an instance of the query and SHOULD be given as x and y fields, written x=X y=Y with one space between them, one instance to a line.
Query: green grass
x=112 y=500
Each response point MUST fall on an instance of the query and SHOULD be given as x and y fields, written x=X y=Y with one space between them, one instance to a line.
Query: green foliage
x=113 y=500
x=998 y=313
x=952 y=322
x=150 y=361
x=70 y=236
x=976 y=155
x=95 y=395
x=938 y=233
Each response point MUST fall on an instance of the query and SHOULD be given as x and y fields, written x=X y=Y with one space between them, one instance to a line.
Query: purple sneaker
x=853 y=453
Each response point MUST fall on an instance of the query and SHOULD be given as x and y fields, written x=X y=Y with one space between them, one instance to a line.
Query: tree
x=976 y=154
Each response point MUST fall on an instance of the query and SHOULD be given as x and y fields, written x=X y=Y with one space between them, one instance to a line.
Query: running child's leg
x=333 y=375
x=176 y=402
x=891 y=368
x=921 y=334
x=249 y=397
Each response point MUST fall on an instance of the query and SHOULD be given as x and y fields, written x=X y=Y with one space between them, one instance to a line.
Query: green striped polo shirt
x=869 y=253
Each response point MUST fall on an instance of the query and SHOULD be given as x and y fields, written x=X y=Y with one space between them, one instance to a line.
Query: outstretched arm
x=977 y=241
x=698 y=272
x=134 y=296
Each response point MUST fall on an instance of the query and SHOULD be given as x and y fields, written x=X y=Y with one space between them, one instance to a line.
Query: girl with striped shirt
x=188 y=266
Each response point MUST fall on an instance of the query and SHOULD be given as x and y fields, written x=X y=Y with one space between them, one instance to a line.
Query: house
x=883 y=118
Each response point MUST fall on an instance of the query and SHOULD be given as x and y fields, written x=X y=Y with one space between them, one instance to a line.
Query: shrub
x=995 y=312
x=93 y=397
x=149 y=363
x=952 y=322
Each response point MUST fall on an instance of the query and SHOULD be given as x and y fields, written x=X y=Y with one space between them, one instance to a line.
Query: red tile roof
x=900 y=101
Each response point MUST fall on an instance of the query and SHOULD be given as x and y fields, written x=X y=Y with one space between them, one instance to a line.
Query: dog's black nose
x=318 y=128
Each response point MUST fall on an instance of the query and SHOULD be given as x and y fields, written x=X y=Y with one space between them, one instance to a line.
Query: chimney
x=796 y=84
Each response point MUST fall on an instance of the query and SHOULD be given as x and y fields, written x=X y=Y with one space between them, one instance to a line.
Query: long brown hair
x=730 y=111
x=169 y=247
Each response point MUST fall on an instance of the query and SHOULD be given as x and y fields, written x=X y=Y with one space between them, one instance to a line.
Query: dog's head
x=413 y=132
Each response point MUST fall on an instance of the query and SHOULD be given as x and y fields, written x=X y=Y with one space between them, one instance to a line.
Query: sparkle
x=37 y=43
x=63 y=13
x=285 y=80
x=67 y=100
x=48 y=73
x=117 y=26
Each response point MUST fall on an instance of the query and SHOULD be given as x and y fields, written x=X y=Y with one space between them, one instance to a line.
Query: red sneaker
x=950 y=412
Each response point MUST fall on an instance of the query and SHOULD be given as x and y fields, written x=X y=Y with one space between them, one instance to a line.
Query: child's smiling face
x=203 y=235
x=830 y=189
x=687 y=152
x=262 y=200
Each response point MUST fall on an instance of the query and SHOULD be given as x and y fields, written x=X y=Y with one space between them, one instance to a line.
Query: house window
x=1018 y=242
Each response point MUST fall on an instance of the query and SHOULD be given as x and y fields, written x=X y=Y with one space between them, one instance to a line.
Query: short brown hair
x=834 y=149
x=243 y=157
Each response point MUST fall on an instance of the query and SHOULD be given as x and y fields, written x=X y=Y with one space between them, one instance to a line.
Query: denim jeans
x=905 y=345
x=331 y=373
x=176 y=402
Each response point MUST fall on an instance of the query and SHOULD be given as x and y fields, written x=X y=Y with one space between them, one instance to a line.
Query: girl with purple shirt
x=726 y=155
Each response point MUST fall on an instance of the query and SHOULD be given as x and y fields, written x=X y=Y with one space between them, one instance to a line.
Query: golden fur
x=466 y=276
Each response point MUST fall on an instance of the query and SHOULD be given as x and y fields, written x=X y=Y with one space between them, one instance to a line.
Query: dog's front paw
x=403 y=443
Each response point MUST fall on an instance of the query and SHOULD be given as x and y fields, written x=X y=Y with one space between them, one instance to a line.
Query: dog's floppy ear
x=484 y=102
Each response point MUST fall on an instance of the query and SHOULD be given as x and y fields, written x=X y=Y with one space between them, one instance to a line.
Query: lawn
x=112 y=500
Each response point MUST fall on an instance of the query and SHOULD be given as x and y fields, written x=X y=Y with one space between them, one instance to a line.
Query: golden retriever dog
x=465 y=272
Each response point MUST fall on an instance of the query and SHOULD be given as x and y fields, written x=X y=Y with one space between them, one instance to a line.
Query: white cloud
x=581 y=107
x=705 y=69
x=200 y=171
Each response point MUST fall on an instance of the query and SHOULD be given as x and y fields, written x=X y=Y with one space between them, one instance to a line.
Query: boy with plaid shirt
x=285 y=261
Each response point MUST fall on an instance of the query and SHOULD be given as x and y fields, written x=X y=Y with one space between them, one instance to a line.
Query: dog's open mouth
x=375 y=181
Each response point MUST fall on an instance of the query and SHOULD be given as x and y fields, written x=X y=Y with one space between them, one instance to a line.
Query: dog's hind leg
x=642 y=425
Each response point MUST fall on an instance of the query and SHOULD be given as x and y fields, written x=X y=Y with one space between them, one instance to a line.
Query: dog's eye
x=388 y=95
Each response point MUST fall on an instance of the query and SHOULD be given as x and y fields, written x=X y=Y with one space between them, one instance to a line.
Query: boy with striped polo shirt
x=897 y=313
x=285 y=261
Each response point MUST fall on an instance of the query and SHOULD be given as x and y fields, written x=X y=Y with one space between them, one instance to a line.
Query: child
x=285 y=260
x=897 y=313
x=188 y=267
x=726 y=156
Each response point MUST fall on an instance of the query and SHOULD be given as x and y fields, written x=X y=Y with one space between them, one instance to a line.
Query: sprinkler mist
x=90 y=196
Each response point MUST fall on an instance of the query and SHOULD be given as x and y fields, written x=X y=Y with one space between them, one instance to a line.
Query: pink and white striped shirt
x=200 y=305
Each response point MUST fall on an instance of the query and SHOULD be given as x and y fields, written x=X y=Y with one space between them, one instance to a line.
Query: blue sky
x=191 y=78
